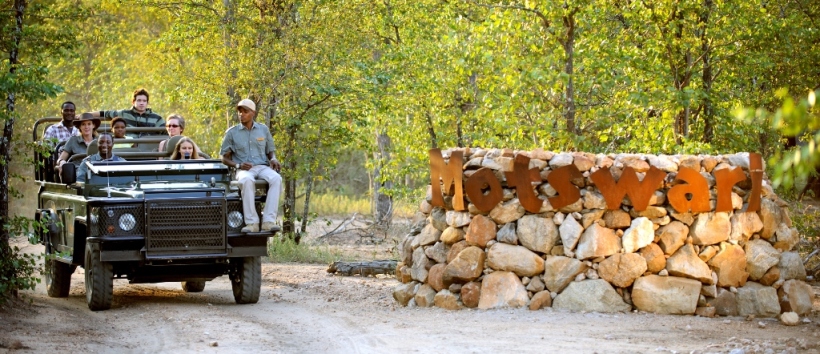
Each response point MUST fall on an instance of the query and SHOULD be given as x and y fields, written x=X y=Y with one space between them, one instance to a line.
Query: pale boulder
x=516 y=259
x=570 y=231
x=744 y=225
x=457 y=218
x=537 y=233
x=482 y=229
x=425 y=296
x=655 y=260
x=452 y=235
x=730 y=265
x=447 y=300
x=791 y=266
x=796 y=296
x=760 y=256
x=711 y=228
x=540 y=300
x=404 y=292
x=590 y=295
x=421 y=264
x=597 y=241
x=428 y=236
x=685 y=263
x=638 y=235
x=502 y=289
x=672 y=236
x=666 y=295
x=507 y=212
x=506 y=234
x=621 y=269
x=559 y=271
x=467 y=266
x=758 y=300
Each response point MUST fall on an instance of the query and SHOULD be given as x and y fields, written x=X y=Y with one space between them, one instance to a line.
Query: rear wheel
x=99 y=279
x=193 y=286
x=246 y=279
x=57 y=274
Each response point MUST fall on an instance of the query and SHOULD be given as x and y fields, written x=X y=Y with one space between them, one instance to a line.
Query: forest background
x=356 y=92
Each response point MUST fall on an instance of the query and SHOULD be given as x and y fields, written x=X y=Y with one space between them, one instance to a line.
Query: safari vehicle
x=145 y=220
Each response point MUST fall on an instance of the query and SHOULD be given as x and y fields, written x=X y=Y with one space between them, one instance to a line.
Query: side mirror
x=69 y=174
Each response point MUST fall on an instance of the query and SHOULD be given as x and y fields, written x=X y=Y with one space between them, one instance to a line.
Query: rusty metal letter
x=481 y=179
x=639 y=192
x=521 y=178
x=561 y=180
x=756 y=171
x=725 y=179
x=696 y=186
x=449 y=173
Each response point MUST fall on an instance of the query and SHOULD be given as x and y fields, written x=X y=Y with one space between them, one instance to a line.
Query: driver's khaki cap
x=247 y=104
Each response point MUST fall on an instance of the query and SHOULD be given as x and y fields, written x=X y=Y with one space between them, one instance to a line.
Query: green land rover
x=145 y=220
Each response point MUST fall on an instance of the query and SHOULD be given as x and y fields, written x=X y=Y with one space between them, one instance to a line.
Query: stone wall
x=586 y=257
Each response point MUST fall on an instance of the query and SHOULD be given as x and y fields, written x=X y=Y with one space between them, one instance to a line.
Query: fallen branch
x=339 y=229
x=363 y=268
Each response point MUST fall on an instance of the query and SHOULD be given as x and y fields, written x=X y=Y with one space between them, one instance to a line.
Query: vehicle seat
x=92 y=148
x=50 y=165
x=171 y=145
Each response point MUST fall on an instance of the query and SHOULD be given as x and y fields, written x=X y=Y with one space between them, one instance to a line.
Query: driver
x=105 y=144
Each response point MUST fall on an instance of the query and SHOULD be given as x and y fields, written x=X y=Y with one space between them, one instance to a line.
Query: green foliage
x=798 y=119
x=285 y=249
x=17 y=272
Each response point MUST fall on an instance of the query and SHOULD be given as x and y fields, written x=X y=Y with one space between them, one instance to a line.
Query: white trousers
x=248 y=190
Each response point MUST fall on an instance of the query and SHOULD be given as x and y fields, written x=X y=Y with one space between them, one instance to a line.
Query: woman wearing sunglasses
x=175 y=125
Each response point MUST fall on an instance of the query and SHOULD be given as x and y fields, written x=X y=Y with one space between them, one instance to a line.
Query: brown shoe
x=251 y=228
x=269 y=226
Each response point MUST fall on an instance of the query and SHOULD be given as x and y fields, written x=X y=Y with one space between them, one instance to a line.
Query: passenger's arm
x=60 y=161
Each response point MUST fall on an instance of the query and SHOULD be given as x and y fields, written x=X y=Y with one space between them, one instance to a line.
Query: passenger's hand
x=246 y=166
x=275 y=165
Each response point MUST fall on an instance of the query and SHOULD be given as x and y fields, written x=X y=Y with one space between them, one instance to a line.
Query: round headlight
x=127 y=222
x=234 y=219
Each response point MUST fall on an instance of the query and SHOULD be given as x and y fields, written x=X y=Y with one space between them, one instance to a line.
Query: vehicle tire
x=246 y=279
x=193 y=286
x=58 y=277
x=99 y=279
x=57 y=274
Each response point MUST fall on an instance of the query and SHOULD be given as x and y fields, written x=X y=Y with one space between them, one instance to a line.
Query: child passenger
x=186 y=149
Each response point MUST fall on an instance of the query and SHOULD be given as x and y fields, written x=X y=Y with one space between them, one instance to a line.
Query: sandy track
x=304 y=309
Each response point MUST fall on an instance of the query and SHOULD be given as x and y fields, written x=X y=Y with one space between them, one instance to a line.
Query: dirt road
x=304 y=309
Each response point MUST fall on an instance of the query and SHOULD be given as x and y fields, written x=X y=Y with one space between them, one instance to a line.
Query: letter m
x=451 y=176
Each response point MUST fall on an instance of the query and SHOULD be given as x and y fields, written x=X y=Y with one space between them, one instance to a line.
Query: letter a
x=696 y=186
x=450 y=174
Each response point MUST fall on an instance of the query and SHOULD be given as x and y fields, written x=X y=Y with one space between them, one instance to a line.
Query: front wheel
x=99 y=279
x=58 y=277
x=246 y=279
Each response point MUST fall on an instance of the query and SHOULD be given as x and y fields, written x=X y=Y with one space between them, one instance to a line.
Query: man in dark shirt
x=139 y=115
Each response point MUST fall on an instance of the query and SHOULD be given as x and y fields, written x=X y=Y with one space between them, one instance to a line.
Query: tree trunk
x=5 y=141
x=309 y=180
x=569 y=95
x=382 y=203
x=431 y=129
x=289 y=207
x=708 y=77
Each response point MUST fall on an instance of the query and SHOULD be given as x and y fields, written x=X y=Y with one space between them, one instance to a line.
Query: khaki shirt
x=245 y=145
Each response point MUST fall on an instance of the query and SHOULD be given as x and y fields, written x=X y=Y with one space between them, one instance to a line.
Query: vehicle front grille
x=187 y=226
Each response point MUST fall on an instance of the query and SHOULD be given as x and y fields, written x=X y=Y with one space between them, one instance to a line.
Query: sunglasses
x=172 y=126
